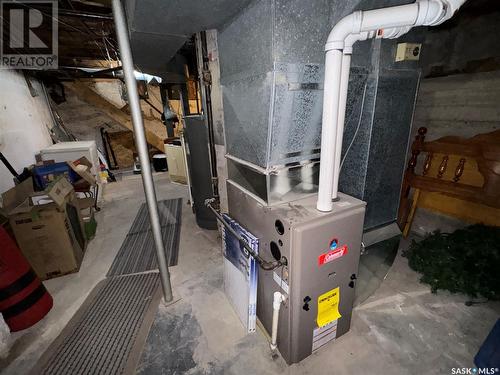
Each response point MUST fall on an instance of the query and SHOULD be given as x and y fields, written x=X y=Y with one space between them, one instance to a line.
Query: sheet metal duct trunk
x=158 y=29
x=272 y=83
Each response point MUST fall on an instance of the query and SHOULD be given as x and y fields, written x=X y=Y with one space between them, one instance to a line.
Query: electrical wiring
x=357 y=128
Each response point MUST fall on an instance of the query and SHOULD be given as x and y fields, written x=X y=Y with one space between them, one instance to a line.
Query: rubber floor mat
x=138 y=251
x=169 y=211
x=107 y=334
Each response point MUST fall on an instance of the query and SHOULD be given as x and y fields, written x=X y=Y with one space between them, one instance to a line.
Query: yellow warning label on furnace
x=328 y=307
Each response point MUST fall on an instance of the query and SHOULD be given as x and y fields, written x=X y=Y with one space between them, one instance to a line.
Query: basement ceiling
x=159 y=28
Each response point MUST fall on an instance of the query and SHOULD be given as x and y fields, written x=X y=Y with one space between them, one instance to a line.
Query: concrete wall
x=24 y=123
x=462 y=105
x=460 y=63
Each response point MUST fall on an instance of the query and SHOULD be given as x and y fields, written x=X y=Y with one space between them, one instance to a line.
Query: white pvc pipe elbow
x=389 y=22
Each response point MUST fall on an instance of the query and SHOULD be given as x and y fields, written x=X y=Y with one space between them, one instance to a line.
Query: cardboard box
x=83 y=168
x=50 y=233
x=46 y=174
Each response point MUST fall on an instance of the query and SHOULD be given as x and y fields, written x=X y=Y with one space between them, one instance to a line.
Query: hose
x=264 y=264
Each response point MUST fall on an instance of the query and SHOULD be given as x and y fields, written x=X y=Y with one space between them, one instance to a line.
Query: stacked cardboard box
x=47 y=226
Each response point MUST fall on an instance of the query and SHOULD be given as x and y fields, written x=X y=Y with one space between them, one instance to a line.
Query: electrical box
x=322 y=252
x=408 y=51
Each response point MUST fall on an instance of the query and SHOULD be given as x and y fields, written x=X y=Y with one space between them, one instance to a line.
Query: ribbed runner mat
x=138 y=252
x=169 y=211
x=107 y=334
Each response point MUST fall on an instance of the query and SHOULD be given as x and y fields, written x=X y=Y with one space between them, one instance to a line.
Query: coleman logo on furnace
x=334 y=253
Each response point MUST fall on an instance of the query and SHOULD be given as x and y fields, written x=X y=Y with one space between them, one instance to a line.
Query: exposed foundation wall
x=460 y=105
x=25 y=121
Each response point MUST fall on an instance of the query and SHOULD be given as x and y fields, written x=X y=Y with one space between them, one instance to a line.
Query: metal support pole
x=140 y=142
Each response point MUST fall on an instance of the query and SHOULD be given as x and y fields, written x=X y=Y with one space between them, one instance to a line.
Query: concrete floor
x=401 y=329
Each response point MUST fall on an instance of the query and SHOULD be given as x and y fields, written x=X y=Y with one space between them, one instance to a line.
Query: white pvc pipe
x=398 y=16
x=277 y=300
x=344 y=83
x=397 y=20
x=333 y=66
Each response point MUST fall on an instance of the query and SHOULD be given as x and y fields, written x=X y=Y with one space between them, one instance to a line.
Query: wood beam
x=89 y=96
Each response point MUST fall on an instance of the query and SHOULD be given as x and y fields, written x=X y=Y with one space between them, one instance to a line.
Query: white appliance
x=176 y=161
x=70 y=151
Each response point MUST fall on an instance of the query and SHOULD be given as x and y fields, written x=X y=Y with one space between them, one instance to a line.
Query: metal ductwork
x=158 y=29
x=272 y=73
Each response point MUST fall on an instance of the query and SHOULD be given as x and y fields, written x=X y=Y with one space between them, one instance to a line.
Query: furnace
x=318 y=282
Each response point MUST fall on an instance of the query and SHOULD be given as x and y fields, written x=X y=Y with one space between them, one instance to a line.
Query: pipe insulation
x=390 y=22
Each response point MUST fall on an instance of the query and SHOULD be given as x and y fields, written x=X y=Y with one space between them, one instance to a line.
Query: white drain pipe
x=389 y=22
x=277 y=300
